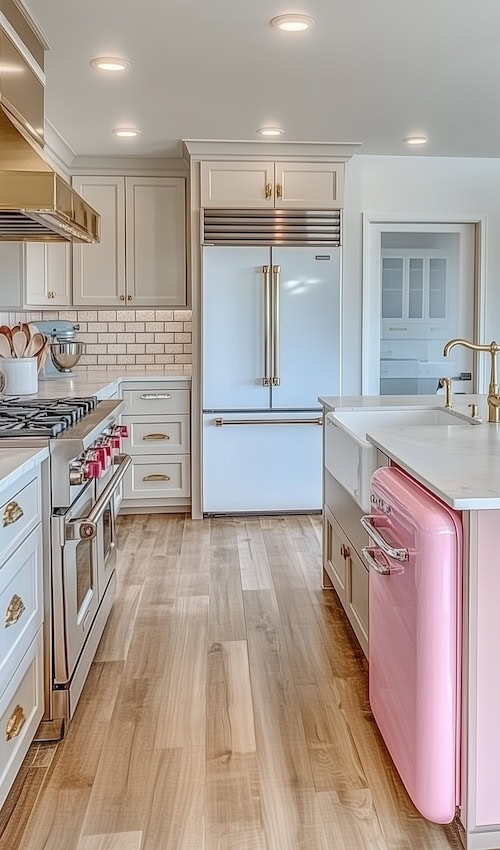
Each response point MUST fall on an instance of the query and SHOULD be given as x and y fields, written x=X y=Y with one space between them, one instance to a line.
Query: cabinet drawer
x=149 y=478
x=19 y=513
x=21 y=608
x=21 y=709
x=157 y=400
x=157 y=434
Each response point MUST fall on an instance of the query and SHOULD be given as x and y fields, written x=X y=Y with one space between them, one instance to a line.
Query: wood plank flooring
x=226 y=709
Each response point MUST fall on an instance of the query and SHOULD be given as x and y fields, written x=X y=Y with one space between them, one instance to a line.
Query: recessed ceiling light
x=292 y=23
x=416 y=140
x=109 y=63
x=126 y=132
x=270 y=131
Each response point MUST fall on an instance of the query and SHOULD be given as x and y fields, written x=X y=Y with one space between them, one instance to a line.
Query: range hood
x=36 y=204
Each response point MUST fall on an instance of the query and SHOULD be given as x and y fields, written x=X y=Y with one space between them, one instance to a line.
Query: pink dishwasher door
x=414 y=621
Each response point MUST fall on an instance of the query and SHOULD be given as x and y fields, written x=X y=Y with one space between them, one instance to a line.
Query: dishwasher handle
x=368 y=523
x=369 y=556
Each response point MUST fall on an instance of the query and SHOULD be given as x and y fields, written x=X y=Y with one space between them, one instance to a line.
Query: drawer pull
x=156 y=477
x=15 y=723
x=156 y=437
x=12 y=513
x=149 y=396
x=15 y=610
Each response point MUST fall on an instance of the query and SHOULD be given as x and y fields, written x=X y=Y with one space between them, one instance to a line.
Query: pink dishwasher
x=414 y=622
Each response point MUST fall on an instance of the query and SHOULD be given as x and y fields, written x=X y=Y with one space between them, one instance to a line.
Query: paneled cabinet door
x=155 y=239
x=234 y=185
x=309 y=185
x=47 y=275
x=246 y=185
x=99 y=270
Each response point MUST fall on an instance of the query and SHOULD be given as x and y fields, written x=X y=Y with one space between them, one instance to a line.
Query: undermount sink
x=352 y=460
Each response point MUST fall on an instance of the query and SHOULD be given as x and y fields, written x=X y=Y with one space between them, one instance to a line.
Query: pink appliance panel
x=413 y=647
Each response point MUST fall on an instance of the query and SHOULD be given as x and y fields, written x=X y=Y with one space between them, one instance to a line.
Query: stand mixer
x=64 y=350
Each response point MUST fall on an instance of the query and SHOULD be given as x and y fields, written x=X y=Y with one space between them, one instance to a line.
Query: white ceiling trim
x=221 y=149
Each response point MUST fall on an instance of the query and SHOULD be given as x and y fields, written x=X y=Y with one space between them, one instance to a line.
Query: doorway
x=420 y=289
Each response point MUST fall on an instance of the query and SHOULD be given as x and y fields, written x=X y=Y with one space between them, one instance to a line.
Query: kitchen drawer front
x=21 y=709
x=20 y=512
x=157 y=434
x=156 y=400
x=21 y=605
x=149 y=478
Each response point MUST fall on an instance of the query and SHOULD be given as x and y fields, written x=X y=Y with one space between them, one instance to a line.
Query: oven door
x=75 y=587
x=106 y=535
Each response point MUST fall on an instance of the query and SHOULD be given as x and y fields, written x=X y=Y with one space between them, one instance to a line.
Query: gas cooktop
x=20 y=417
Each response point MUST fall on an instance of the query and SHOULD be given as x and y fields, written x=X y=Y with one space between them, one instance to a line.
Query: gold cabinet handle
x=122 y=298
x=15 y=610
x=129 y=298
x=269 y=191
x=15 y=723
x=156 y=477
x=279 y=192
x=156 y=437
x=12 y=513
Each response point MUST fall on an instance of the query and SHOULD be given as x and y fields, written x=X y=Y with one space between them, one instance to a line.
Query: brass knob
x=122 y=298
x=129 y=298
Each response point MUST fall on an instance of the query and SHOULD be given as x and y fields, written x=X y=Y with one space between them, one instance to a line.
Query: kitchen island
x=461 y=466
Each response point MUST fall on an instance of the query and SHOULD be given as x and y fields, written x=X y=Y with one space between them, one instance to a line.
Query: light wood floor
x=226 y=709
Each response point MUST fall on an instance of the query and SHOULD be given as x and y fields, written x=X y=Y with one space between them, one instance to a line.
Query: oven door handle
x=85 y=528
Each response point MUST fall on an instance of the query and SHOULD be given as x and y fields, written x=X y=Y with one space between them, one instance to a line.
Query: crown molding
x=195 y=149
x=129 y=166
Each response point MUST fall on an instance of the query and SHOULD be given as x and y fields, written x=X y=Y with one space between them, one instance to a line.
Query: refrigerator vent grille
x=272 y=227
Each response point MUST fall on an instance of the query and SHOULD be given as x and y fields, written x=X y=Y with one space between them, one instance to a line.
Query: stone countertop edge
x=15 y=462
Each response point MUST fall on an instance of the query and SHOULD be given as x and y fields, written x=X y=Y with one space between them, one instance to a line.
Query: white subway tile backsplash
x=128 y=338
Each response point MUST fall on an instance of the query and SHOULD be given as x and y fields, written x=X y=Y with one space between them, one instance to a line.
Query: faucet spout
x=493 y=348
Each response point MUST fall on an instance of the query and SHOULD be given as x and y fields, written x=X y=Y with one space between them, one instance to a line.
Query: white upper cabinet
x=99 y=270
x=47 y=274
x=141 y=258
x=299 y=185
x=155 y=237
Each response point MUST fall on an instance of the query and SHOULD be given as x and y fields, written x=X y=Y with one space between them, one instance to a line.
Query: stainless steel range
x=84 y=472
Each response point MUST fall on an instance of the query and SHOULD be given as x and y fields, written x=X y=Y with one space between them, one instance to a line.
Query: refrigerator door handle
x=219 y=422
x=276 y=326
x=266 y=380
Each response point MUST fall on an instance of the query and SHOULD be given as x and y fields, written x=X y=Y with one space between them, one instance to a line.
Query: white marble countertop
x=15 y=462
x=460 y=465
x=104 y=383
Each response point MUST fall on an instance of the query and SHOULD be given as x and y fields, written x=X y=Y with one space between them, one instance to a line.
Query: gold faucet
x=493 y=397
x=446 y=383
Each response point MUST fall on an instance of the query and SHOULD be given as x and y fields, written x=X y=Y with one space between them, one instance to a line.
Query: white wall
x=420 y=186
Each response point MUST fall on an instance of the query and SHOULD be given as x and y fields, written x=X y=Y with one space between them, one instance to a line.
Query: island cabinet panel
x=21 y=621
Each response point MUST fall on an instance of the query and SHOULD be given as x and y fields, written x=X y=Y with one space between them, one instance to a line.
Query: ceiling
x=369 y=72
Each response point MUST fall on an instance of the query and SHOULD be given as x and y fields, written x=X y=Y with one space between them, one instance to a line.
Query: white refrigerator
x=270 y=347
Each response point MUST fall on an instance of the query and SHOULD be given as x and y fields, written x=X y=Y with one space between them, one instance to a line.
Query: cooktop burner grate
x=42 y=417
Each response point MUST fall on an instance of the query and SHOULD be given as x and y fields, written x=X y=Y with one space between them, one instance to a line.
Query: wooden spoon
x=19 y=343
x=7 y=333
x=5 y=350
x=36 y=343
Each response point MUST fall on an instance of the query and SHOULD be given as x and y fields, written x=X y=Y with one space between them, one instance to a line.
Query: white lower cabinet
x=21 y=622
x=157 y=416
x=344 y=566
